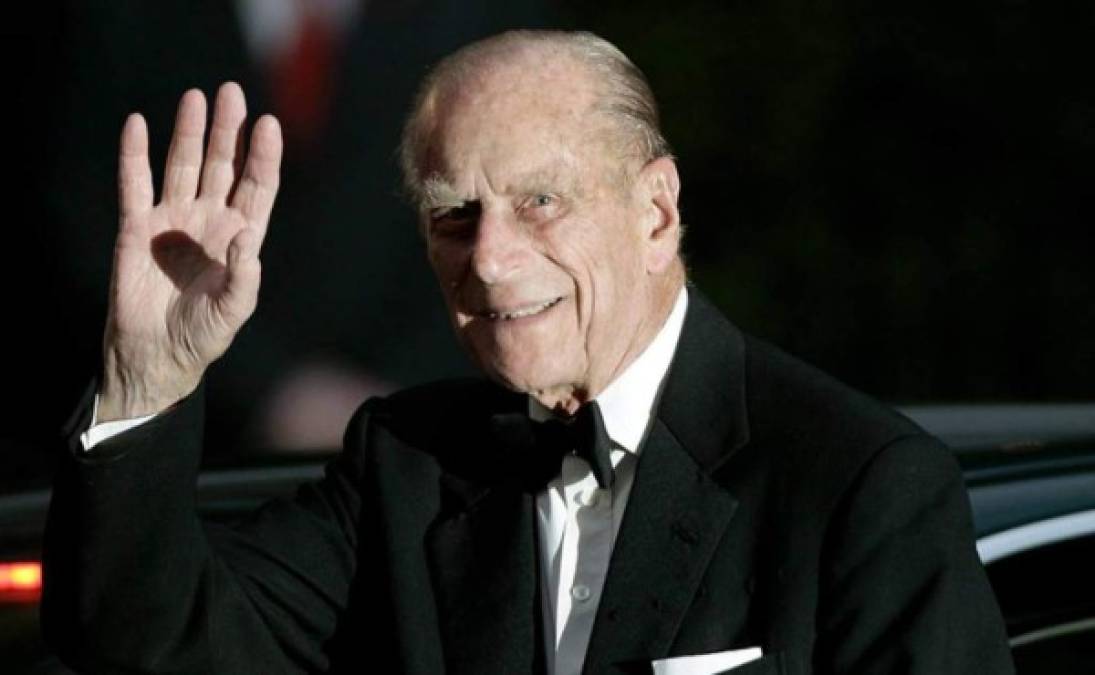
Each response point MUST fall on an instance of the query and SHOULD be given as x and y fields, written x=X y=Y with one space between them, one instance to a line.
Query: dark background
x=897 y=193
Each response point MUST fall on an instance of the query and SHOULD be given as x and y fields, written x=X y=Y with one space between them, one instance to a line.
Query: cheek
x=618 y=283
x=447 y=266
x=614 y=260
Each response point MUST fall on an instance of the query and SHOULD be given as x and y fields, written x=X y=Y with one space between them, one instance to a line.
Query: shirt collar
x=627 y=403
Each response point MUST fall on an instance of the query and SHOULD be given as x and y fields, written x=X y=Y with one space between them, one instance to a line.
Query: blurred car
x=224 y=494
x=1030 y=470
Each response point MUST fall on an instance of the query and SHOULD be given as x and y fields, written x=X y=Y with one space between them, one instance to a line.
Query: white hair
x=624 y=94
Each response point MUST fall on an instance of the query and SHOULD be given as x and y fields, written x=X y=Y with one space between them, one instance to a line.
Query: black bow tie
x=540 y=446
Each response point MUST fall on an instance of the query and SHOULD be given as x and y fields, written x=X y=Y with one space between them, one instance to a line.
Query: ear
x=659 y=187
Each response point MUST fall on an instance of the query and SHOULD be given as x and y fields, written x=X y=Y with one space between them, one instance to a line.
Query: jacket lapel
x=676 y=513
x=675 y=517
x=482 y=558
x=482 y=551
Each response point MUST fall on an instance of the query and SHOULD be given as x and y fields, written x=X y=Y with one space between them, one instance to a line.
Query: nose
x=500 y=248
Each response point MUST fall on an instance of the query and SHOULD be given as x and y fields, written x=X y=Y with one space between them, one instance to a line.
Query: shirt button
x=580 y=592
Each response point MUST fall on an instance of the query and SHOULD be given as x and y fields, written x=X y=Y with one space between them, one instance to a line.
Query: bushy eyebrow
x=437 y=192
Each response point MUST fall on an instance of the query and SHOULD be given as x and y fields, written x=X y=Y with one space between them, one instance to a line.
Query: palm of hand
x=186 y=270
x=172 y=276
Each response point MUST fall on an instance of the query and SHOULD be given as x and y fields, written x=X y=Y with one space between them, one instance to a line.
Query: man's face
x=535 y=235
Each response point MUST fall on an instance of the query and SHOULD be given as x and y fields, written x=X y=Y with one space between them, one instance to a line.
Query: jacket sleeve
x=903 y=589
x=135 y=583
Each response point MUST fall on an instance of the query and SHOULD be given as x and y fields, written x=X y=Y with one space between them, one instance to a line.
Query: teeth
x=521 y=313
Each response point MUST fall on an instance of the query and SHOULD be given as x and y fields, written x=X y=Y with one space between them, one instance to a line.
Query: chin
x=518 y=380
x=527 y=376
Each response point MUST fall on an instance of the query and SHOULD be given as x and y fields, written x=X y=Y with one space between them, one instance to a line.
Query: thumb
x=244 y=273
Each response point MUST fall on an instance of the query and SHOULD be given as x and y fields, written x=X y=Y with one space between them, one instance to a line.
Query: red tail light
x=20 y=581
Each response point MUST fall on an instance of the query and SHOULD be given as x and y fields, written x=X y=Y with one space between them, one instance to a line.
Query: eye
x=454 y=221
x=541 y=207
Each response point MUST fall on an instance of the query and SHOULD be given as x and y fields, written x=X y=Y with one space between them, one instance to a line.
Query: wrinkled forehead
x=511 y=119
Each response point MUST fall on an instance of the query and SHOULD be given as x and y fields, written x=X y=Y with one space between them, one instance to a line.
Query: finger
x=244 y=272
x=184 y=158
x=134 y=175
x=229 y=112
x=258 y=186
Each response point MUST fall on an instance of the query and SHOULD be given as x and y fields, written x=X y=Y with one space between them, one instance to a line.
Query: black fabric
x=772 y=506
x=542 y=445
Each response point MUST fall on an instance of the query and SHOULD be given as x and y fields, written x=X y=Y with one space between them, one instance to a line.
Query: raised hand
x=186 y=270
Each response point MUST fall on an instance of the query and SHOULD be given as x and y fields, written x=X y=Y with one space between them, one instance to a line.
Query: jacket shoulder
x=819 y=431
x=787 y=395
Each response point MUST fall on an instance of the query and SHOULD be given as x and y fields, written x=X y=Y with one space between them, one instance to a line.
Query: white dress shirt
x=97 y=433
x=578 y=521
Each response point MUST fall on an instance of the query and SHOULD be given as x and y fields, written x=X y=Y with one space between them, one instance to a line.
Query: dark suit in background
x=772 y=507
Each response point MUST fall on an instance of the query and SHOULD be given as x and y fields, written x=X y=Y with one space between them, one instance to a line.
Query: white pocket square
x=706 y=664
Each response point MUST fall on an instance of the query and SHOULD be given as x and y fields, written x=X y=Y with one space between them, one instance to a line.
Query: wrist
x=124 y=395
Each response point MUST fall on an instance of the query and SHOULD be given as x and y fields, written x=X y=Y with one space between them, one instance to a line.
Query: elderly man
x=638 y=485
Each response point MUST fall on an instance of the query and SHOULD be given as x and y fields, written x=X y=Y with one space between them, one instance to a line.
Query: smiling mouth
x=522 y=312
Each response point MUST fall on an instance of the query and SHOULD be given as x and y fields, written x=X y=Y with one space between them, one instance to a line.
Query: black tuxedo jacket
x=772 y=507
